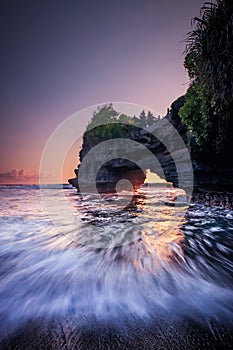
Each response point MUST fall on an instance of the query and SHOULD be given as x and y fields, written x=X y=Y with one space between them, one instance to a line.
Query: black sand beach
x=68 y=333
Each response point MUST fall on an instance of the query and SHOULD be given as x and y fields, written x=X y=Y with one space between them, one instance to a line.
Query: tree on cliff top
x=107 y=123
x=108 y=115
x=209 y=62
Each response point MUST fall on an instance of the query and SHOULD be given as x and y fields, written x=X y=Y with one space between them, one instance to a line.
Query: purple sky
x=58 y=57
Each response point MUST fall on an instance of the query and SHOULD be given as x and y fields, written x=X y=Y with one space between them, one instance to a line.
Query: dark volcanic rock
x=213 y=175
x=123 y=168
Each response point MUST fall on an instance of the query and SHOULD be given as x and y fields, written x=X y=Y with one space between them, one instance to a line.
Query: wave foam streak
x=181 y=273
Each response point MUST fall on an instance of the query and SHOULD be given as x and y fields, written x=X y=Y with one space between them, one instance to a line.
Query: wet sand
x=68 y=333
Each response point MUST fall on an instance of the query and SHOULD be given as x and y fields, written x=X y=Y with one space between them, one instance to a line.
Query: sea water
x=145 y=268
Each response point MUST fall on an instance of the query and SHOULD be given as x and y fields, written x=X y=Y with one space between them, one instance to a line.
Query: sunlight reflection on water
x=43 y=273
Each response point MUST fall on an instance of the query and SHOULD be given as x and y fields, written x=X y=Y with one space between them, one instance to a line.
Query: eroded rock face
x=213 y=176
x=122 y=168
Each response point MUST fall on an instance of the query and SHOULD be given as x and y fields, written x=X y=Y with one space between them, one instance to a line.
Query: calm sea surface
x=137 y=261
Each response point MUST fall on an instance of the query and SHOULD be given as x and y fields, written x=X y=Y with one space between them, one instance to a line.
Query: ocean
x=138 y=258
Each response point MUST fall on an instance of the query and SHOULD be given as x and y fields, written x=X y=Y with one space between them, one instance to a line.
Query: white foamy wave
x=44 y=273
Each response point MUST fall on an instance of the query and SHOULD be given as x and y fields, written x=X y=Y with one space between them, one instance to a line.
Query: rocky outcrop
x=213 y=176
x=213 y=198
x=123 y=168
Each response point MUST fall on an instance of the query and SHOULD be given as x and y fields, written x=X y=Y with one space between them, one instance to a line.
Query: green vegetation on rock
x=107 y=123
x=208 y=111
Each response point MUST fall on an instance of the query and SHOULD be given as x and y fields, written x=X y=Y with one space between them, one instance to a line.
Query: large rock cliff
x=213 y=176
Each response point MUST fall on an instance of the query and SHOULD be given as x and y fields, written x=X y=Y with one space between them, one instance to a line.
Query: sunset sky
x=58 y=57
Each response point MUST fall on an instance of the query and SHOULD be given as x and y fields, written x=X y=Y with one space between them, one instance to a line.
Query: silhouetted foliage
x=209 y=61
x=107 y=123
x=142 y=118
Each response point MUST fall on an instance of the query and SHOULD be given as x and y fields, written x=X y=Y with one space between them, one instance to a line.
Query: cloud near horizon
x=21 y=176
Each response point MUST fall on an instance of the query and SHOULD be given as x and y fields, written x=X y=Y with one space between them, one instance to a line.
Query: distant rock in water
x=213 y=176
